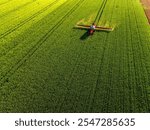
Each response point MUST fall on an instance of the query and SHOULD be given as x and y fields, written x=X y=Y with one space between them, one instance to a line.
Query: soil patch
x=146 y=6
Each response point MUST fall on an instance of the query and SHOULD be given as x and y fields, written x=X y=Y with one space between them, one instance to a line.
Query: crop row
x=51 y=69
x=2 y=3
x=27 y=20
x=64 y=34
x=20 y=6
x=10 y=6
x=19 y=16
x=144 y=71
x=140 y=76
x=41 y=41
x=121 y=79
x=100 y=12
x=24 y=39
x=80 y=87
x=11 y=41
x=23 y=44
x=104 y=88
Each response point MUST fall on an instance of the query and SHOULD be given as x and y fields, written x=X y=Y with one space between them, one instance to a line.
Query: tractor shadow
x=85 y=35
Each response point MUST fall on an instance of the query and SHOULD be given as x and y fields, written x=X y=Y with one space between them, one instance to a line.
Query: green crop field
x=48 y=66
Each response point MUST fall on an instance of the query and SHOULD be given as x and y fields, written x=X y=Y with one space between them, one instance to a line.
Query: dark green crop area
x=48 y=66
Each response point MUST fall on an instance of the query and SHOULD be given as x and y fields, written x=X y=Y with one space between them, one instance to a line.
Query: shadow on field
x=85 y=35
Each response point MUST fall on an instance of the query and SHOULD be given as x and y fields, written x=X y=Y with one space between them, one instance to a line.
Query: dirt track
x=146 y=5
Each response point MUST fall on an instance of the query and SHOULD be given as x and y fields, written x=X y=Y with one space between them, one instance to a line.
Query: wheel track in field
x=131 y=107
x=6 y=2
x=135 y=83
x=69 y=82
x=113 y=102
x=100 y=12
x=14 y=68
x=17 y=44
x=134 y=65
x=122 y=67
x=108 y=96
x=112 y=55
x=133 y=93
x=28 y=19
x=139 y=46
x=36 y=6
x=93 y=93
x=16 y=9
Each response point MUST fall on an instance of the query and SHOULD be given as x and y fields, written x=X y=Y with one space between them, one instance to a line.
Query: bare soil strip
x=146 y=6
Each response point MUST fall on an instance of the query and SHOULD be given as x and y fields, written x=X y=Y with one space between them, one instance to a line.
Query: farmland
x=48 y=66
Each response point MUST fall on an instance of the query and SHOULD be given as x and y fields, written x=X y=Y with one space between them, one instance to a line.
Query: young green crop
x=47 y=66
